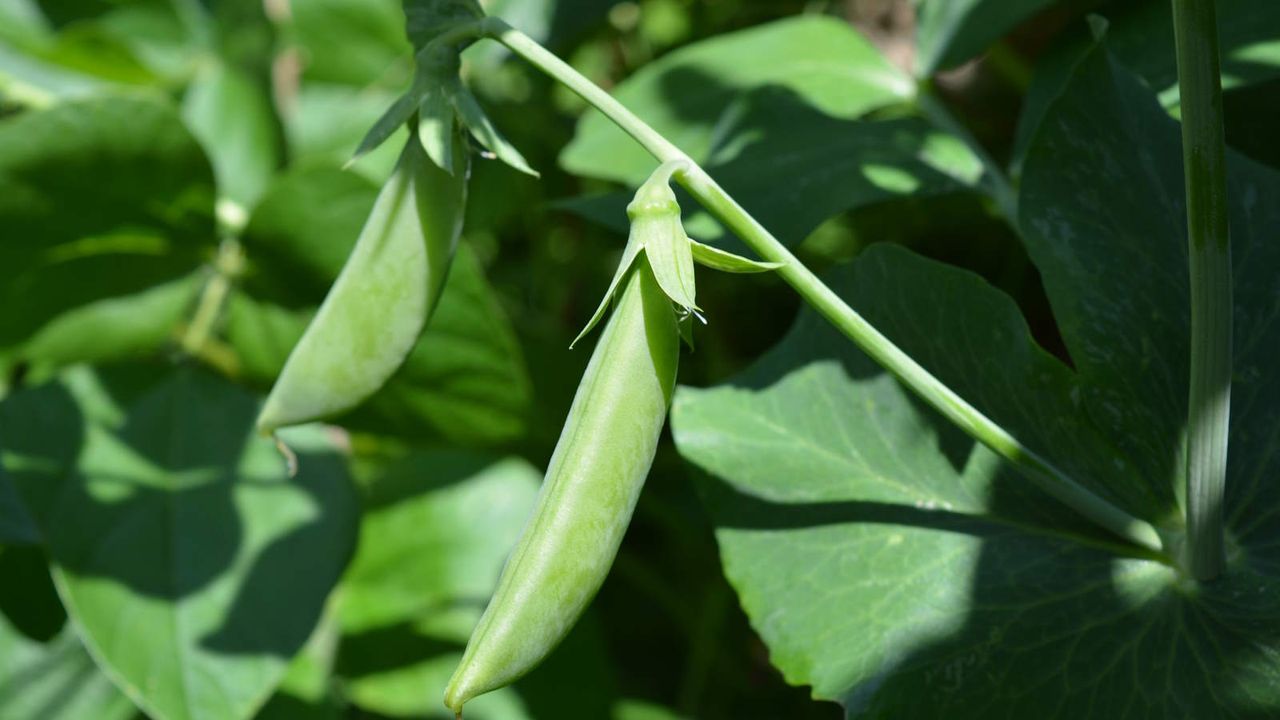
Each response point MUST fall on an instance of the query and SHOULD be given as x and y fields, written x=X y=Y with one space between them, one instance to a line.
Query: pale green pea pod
x=381 y=301
x=590 y=491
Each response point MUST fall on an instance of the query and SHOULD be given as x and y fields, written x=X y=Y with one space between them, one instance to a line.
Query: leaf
x=392 y=120
x=354 y=43
x=949 y=32
x=16 y=525
x=724 y=261
x=684 y=94
x=793 y=166
x=437 y=125
x=437 y=529
x=1140 y=37
x=629 y=255
x=474 y=118
x=142 y=194
x=438 y=526
x=117 y=328
x=906 y=572
x=192 y=565
x=465 y=380
x=56 y=680
x=233 y=118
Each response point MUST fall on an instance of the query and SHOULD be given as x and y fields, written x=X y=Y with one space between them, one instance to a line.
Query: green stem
x=1209 y=255
x=212 y=298
x=997 y=182
x=820 y=297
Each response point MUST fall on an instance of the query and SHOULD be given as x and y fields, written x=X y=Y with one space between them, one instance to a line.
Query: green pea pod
x=594 y=479
x=382 y=299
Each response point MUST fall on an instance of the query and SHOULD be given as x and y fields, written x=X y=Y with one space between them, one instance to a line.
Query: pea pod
x=382 y=299
x=596 y=472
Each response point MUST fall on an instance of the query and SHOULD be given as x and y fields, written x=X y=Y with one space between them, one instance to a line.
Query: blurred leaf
x=232 y=116
x=1140 y=36
x=56 y=680
x=949 y=32
x=27 y=597
x=194 y=568
x=437 y=527
x=352 y=42
x=328 y=123
x=102 y=198
x=822 y=61
x=16 y=525
x=465 y=380
x=117 y=328
x=306 y=692
x=846 y=509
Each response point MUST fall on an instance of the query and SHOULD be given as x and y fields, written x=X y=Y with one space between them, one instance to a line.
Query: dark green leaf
x=102 y=199
x=906 y=572
x=949 y=32
x=684 y=95
x=465 y=380
x=193 y=566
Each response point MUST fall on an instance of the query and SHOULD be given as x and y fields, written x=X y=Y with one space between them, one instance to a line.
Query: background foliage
x=160 y=159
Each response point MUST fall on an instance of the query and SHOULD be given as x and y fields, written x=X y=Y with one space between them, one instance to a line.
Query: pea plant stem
x=938 y=395
x=1209 y=255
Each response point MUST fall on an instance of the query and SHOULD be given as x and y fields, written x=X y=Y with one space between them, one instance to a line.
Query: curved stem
x=1209 y=256
x=942 y=398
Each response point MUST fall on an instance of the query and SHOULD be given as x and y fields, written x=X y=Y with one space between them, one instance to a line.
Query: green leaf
x=392 y=120
x=117 y=328
x=233 y=118
x=949 y=32
x=16 y=525
x=465 y=380
x=192 y=565
x=793 y=166
x=438 y=526
x=906 y=572
x=108 y=197
x=56 y=680
x=684 y=94
x=1140 y=36
x=482 y=129
x=356 y=43
x=629 y=255
x=437 y=129
x=718 y=259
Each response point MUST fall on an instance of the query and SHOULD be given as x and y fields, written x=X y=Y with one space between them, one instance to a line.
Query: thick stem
x=820 y=297
x=1209 y=253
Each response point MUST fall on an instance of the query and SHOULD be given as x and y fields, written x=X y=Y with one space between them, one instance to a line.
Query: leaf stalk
x=1209 y=259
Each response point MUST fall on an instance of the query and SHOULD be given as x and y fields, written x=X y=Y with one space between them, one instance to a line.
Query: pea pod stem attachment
x=889 y=356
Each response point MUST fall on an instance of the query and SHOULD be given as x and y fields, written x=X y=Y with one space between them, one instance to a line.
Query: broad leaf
x=193 y=566
x=438 y=527
x=949 y=32
x=56 y=680
x=231 y=114
x=904 y=571
x=99 y=200
x=823 y=61
x=465 y=380
x=1140 y=36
